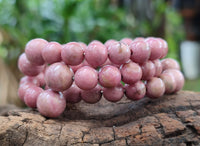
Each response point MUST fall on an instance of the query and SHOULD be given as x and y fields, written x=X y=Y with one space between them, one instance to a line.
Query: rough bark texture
x=170 y=120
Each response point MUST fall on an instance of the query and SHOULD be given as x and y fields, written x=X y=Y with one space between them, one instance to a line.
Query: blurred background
x=85 y=20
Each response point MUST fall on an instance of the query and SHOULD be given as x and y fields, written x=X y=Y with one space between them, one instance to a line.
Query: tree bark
x=169 y=120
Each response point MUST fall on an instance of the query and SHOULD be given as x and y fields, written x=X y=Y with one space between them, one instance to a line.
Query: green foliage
x=62 y=21
x=174 y=32
x=78 y=20
x=192 y=85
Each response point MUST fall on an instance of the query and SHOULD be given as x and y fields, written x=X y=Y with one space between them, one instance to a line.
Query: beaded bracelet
x=57 y=74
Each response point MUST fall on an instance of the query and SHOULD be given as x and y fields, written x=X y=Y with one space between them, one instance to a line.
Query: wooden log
x=170 y=120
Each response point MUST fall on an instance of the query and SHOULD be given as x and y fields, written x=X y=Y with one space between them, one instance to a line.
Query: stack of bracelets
x=57 y=74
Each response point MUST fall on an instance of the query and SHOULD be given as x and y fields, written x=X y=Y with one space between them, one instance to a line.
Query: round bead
x=155 y=87
x=169 y=81
x=31 y=95
x=164 y=47
x=96 y=54
x=158 y=66
x=135 y=91
x=155 y=47
x=34 y=49
x=109 y=76
x=92 y=96
x=51 y=53
x=72 y=53
x=28 y=68
x=113 y=94
x=131 y=72
x=22 y=89
x=58 y=77
x=119 y=53
x=170 y=63
x=148 y=70
x=51 y=104
x=73 y=94
x=86 y=78
x=140 y=51
x=179 y=78
x=28 y=79
x=41 y=79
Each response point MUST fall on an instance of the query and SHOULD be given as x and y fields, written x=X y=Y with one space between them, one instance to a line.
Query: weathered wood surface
x=170 y=120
